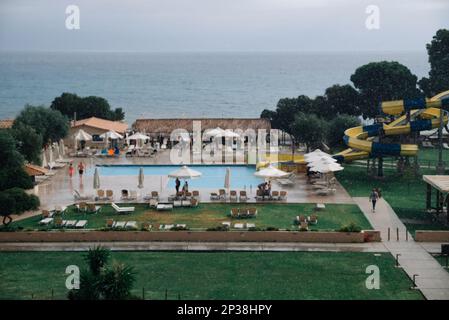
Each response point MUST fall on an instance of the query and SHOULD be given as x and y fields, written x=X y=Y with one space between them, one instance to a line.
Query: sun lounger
x=233 y=195
x=131 y=225
x=427 y=144
x=214 y=196
x=169 y=226
x=46 y=221
x=58 y=222
x=304 y=226
x=177 y=203
x=250 y=225
x=80 y=197
x=146 y=226
x=313 y=219
x=109 y=195
x=110 y=223
x=92 y=208
x=283 y=195
x=274 y=195
x=325 y=192
x=47 y=214
x=239 y=226
x=185 y=203
x=243 y=197
x=153 y=203
x=320 y=206
x=285 y=181
x=252 y=212
x=81 y=224
x=222 y=194
x=226 y=224
x=260 y=195
x=132 y=195
x=101 y=195
x=81 y=207
x=445 y=146
x=119 y=225
x=69 y=223
x=194 y=203
x=234 y=212
x=181 y=226
x=196 y=194
x=120 y=210
x=154 y=195
x=164 y=207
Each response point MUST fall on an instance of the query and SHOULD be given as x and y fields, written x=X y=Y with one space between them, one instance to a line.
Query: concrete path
x=431 y=279
x=195 y=246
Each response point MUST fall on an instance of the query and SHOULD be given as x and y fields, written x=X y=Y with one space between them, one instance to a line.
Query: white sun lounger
x=46 y=221
x=239 y=226
x=131 y=225
x=122 y=209
x=250 y=225
x=119 y=224
x=69 y=223
x=81 y=224
x=169 y=226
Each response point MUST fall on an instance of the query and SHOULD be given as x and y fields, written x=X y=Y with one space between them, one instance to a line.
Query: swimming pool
x=212 y=175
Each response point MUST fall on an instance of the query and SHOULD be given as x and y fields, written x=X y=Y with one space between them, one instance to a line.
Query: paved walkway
x=432 y=279
x=195 y=246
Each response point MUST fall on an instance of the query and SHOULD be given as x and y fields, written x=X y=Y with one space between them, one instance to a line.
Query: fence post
x=388 y=233
x=397 y=260
x=414 y=281
x=406 y=234
x=397 y=234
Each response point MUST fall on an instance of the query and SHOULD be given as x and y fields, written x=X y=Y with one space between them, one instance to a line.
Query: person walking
x=81 y=168
x=71 y=170
x=373 y=197
x=177 y=185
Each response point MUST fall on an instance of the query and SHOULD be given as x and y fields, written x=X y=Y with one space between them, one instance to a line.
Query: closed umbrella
x=50 y=157
x=271 y=172
x=141 y=178
x=227 y=182
x=44 y=159
x=96 y=179
x=185 y=173
x=62 y=148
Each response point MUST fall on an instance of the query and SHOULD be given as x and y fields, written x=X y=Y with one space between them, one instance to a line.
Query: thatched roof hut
x=167 y=126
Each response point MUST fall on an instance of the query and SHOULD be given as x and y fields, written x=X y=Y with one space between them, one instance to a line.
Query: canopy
x=229 y=134
x=227 y=182
x=111 y=135
x=322 y=160
x=82 y=135
x=316 y=153
x=271 y=172
x=326 y=167
x=214 y=132
x=185 y=173
x=138 y=136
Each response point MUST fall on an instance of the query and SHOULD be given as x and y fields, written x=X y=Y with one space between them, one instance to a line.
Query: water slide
x=424 y=115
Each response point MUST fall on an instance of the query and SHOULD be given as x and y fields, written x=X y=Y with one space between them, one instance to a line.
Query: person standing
x=177 y=185
x=71 y=170
x=373 y=197
x=81 y=168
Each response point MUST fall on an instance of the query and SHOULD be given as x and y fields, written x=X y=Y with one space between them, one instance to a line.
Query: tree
x=308 y=129
x=97 y=258
x=24 y=201
x=12 y=172
x=29 y=142
x=7 y=207
x=382 y=81
x=85 y=107
x=103 y=282
x=343 y=99
x=337 y=127
x=50 y=124
x=438 y=51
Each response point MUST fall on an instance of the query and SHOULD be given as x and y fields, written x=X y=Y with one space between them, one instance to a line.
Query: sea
x=187 y=84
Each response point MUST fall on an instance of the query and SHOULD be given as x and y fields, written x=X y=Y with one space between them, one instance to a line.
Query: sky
x=220 y=25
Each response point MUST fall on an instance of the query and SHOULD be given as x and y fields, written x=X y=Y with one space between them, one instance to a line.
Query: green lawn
x=211 y=215
x=406 y=197
x=217 y=275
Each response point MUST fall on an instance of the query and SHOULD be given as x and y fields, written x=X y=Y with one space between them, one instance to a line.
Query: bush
x=179 y=228
x=218 y=228
x=351 y=227
x=271 y=229
x=254 y=229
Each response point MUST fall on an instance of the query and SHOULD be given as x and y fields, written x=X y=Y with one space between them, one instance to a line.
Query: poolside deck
x=58 y=190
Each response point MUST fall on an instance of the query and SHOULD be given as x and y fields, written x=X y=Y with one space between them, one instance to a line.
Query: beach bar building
x=164 y=127
x=95 y=127
x=439 y=183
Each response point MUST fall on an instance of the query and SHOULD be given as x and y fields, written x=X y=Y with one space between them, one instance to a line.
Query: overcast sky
x=220 y=25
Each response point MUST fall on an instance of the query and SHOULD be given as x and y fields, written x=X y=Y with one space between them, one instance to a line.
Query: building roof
x=6 y=123
x=169 y=125
x=438 y=182
x=33 y=170
x=102 y=124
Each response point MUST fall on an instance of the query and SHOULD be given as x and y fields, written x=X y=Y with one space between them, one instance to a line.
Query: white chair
x=120 y=210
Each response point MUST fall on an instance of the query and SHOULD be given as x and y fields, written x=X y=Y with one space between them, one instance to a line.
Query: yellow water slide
x=424 y=114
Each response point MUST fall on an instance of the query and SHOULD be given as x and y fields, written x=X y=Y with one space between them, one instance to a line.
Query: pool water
x=213 y=176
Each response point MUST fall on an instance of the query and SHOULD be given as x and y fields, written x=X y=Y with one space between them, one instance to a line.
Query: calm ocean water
x=158 y=85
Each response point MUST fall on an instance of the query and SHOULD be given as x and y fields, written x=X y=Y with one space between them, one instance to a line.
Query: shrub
x=179 y=228
x=218 y=228
x=271 y=229
x=24 y=202
x=351 y=227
